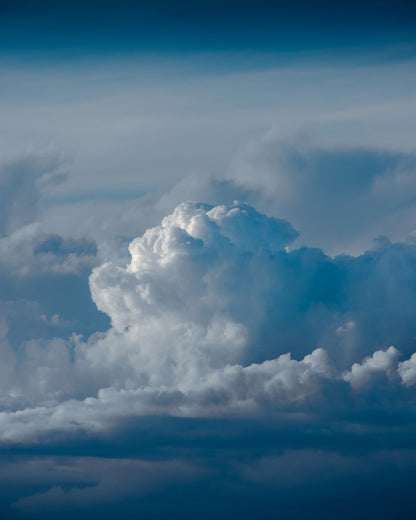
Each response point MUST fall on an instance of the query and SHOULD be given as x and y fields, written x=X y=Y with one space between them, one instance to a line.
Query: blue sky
x=102 y=26
x=207 y=259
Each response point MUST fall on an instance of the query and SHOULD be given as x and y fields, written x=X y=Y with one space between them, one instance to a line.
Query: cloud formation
x=22 y=182
x=315 y=187
x=215 y=315
x=44 y=293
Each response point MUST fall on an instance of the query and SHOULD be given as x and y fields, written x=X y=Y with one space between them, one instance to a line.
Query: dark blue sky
x=76 y=27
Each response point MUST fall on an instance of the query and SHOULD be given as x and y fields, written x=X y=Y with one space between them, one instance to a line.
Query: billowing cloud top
x=202 y=322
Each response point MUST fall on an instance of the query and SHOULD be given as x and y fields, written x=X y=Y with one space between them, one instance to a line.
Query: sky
x=207 y=259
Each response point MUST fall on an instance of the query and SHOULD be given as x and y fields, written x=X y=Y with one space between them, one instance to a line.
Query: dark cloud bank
x=240 y=375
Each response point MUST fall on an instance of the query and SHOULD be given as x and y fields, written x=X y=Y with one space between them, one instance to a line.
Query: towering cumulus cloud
x=215 y=315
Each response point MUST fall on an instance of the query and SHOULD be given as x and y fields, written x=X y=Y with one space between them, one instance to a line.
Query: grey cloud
x=338 y=198
x=22 y=182
x=44 y=292
x=254 y=479
x=106 y=481
x=38 y=282
x=59 y=246
x=29 y=251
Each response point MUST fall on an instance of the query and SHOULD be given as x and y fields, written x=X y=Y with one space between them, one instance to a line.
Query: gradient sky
x=247 y=354
x=102 y=26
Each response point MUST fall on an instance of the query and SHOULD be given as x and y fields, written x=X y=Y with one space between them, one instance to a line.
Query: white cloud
x=173 y=305
x=407 y=370
x=214 y=316
x=273 y=383
x=381 y=362
x=198 y=392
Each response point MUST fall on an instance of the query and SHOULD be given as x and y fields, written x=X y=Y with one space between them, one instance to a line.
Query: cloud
x=407 y=370
x=25 y=247
x=315 y=187
x=107 y=481
x=42 y=276
x=22 y=182
x=44 y=293
x=264 y=365
x=215 y=315
x=382 y=361
x=238 y=474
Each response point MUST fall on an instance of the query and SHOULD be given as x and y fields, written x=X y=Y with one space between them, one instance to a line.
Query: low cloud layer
x=214 y=315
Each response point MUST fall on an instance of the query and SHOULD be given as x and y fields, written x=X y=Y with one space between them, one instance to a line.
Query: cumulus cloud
x=381 y=362
x=407 y=370
x=215 y=315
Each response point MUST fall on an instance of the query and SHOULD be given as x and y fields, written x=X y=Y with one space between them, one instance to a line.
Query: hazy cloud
x=339 y=198
x=22 y=182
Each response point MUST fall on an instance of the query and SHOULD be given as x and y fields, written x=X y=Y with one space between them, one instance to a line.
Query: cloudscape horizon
x=207 y=259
